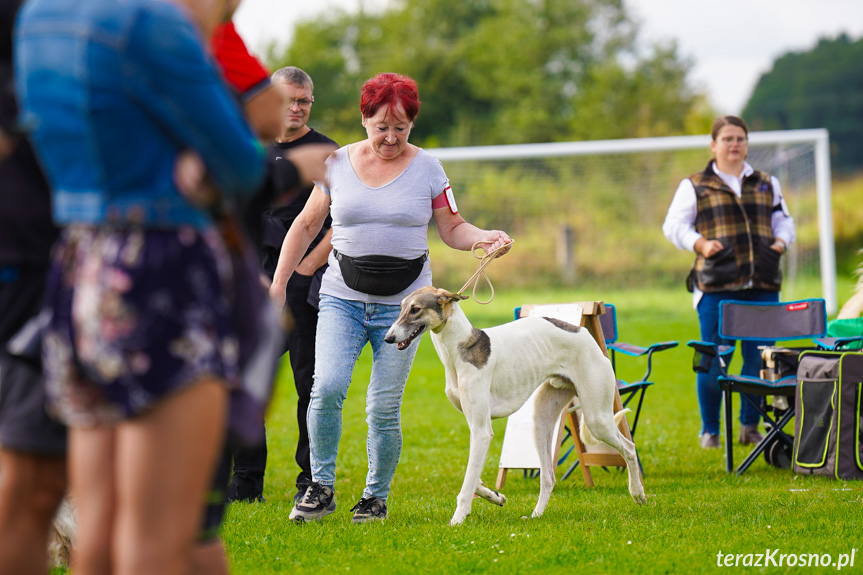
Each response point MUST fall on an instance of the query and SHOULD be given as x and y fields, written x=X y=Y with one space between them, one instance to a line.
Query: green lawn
x=694 y=509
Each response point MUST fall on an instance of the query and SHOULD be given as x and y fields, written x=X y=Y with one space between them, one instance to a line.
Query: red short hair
x=390 y=90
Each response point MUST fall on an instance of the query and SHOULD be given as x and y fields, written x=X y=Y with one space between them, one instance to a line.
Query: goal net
x=591 y=213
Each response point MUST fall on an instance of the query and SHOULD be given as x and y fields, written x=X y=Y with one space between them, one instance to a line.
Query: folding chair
x=629 y=390
x=750 y=321
x=843 y=335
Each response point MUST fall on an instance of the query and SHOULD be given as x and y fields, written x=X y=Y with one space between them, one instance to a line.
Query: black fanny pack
x=379 y=275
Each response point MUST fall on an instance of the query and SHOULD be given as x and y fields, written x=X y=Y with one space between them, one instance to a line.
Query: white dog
x=491 y=373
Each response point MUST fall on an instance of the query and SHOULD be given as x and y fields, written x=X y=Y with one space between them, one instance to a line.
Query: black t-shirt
x=277 y=220
x=26 y=228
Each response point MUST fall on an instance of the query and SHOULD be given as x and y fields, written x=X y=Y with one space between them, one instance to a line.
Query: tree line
x=818 y=88
x=500 y=71
x=522 y=71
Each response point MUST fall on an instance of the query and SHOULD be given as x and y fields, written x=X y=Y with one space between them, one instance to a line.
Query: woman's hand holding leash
x=497 y=248
x=497 y=241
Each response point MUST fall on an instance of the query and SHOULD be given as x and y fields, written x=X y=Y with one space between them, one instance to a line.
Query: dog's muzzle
x=403 y=344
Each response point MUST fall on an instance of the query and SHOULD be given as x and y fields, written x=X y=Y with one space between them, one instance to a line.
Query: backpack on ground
x=828 y=438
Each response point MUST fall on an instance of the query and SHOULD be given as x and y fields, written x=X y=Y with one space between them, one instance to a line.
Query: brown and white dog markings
x=491 y=373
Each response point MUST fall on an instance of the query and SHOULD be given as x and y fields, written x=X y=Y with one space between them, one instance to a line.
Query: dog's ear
x=444 y=296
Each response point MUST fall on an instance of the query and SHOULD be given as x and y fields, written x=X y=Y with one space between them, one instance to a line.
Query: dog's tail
x=588 y=438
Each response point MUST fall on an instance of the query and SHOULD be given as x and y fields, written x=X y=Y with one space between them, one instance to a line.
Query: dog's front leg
x=477 y=411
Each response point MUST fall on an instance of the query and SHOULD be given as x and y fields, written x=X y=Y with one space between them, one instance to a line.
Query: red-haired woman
x=735 y=220
x=382 y=193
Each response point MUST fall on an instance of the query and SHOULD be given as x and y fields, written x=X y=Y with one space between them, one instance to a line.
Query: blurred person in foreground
x=302 y=290
x=382 y=193
x=141 y=346
x=736 y=221
x=32 y=444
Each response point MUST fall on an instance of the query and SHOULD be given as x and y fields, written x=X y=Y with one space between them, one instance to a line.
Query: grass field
x=694 y=509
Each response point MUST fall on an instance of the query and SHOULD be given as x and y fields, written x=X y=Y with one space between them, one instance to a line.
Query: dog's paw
x=456 y=521
x=458 y=517
x=639 y=498
x=501 y=499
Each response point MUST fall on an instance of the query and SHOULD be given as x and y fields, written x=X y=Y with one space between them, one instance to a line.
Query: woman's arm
x=193 y=102
x=317 y=257
x=782 y=223
x=679 y=224
x=459 y=234
x=304 y=229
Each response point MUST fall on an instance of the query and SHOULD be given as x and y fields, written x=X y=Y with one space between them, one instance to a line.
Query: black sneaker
x=233 y=494
x=318 y=501
x=247 y=491
x=369 y=509
x=251 y=499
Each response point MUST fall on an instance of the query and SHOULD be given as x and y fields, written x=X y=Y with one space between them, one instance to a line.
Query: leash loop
x=485 y=260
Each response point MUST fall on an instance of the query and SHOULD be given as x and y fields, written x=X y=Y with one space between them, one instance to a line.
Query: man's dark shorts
x=24 y=422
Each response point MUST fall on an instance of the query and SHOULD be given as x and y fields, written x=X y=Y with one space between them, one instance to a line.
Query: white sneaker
x=318 y=501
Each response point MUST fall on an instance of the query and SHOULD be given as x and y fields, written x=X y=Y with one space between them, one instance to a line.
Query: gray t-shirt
x=390 y=220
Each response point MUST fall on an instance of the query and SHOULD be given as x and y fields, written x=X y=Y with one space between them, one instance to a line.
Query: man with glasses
x=302 y=290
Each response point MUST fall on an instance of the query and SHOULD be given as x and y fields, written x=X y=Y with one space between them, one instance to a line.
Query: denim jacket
x=112 y=91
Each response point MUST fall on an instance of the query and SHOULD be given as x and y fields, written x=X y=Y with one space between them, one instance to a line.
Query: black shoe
x=252 y=499
x=369 y=509
x=318 y=501
x=247 y=491
x=244 y=496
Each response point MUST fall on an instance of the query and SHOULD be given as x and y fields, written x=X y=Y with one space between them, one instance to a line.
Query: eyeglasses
x=728 y=140
x=301 y=102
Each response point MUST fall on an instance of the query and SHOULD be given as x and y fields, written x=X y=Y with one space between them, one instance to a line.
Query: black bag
x=829 y=424
x=379 y=275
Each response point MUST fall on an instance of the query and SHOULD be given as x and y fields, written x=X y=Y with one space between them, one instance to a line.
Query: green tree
x=500 y=71
x=821 y=88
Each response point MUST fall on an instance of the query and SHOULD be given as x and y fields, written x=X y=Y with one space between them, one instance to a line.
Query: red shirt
x=243 y=72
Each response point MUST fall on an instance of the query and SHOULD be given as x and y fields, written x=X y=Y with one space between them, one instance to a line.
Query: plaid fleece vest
x=743 y=225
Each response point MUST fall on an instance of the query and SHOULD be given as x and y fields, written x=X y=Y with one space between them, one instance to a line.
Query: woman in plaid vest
x=736 y=221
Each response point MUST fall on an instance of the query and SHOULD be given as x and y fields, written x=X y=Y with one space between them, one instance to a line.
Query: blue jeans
x=709 y=392
x=344 y=328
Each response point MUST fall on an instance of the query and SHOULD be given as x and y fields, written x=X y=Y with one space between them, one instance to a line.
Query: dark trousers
x=250 y=463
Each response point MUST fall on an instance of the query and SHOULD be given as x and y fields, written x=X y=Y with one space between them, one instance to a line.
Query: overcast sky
x=731 y=42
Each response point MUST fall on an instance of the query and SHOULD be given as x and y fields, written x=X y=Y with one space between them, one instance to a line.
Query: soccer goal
x=591 y=212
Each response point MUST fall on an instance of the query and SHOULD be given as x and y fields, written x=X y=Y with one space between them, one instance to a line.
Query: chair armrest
x=638 y=351
x=710 y=348
x=706 y=352
x=627 y=349
x=836 y=343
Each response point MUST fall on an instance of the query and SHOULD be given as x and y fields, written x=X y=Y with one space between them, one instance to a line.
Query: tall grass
x=694 y=509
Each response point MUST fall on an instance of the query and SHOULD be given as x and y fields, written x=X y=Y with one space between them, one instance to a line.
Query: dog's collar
x=440 y=327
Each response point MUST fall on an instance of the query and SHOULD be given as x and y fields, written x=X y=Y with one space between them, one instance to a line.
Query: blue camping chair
x=629 y=390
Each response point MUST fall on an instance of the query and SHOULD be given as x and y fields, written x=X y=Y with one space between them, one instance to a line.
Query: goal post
x=609 y=197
